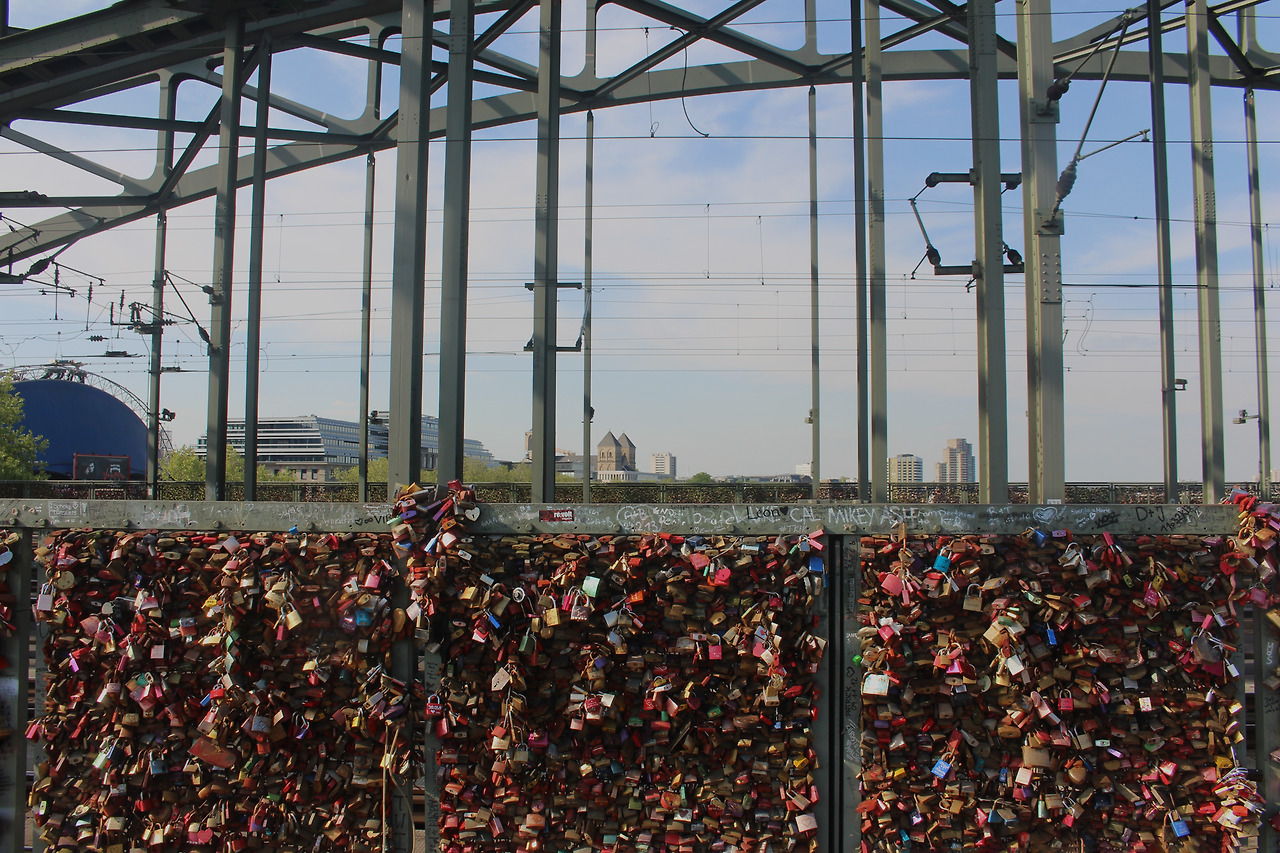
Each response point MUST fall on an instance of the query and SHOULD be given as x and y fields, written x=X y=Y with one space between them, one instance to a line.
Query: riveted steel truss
x=55 y=73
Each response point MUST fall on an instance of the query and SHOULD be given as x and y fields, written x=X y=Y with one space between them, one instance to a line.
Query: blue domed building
x=93 y=434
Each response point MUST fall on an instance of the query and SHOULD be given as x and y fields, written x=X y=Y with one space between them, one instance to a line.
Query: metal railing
x=614 y=493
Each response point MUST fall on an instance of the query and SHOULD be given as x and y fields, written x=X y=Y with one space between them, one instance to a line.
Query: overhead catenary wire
x=784 y=276
x=1067 y=180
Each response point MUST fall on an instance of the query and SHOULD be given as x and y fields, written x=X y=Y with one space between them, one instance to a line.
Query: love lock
x=159 y=648
x=1082 y=704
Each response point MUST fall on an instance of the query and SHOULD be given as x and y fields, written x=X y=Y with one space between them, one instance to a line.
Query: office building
x=664 y=463
x=906 y=468
x=312 y=448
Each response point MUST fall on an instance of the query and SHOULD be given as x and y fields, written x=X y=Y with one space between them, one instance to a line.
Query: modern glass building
x=310 y=447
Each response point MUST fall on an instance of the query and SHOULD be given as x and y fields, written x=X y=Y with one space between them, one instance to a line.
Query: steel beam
x=132 y=186
x=815 y=375
x=1164 y=253
x=513 y=107
x=187 y=125
x=674 y=47
x=1043 y=250
x=588 y=213
x=917 y=12
x=1259 y=296
x=366 y=320
x=993 y=428
x=374 y=97
x=689 y=22
x=224 y=233
x=69 y=58
x=545 y=249
x=408 y=301
x=1206 y=224
x=878 y=308
x=726 y=519
x=457 y=214
x=846 y=649
x=168 y=105
x=588 y=411
x=409 y=253
x=858 y=73
x=253 y=324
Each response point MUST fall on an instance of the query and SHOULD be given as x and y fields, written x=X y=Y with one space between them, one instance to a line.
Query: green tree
x=701 y=477
x=184 y=465
x=20 y=450
x=377 y=472
x=473 y=471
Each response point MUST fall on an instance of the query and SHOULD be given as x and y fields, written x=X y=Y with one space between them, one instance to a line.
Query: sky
x=701 y=265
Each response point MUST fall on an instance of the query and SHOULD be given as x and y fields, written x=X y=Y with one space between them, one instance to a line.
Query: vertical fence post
x=1266 y=723
x=13 y=701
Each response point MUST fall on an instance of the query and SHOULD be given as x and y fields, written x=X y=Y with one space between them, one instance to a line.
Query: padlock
x=44 y=601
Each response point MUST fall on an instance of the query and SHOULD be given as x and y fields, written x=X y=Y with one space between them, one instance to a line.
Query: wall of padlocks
x=1043 y=689
x=645 y=691
x=205 y=691
x=652 y=691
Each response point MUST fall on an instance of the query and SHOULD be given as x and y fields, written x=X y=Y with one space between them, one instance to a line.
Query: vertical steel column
x=432 y=668
x=409 y=252
x=1164 y=250
x=1211 y=437
x=847 y=650
x=366 y=313
x=257 y=215
x=1043 y=241
x=224 y=239
x=457 y=214
x=13 y=701
x=157 y=338
x=374 y=97
x=408 y=299
x=879 y=379
x=1259 y=297
x=993 y=426
x=858 y=74
x=545 y=260
x=815 y=384
x=156 y=370
x=403 y=662
x=587 y=411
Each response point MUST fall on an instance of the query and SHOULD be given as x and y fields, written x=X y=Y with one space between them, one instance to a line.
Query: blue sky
x=701 y=267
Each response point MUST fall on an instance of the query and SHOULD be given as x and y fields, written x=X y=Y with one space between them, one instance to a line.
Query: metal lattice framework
x=49 y=75
x=46 y=73
x=56 y=74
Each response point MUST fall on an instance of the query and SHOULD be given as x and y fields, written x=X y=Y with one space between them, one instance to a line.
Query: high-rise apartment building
x=958 y=465
x=906 y=468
